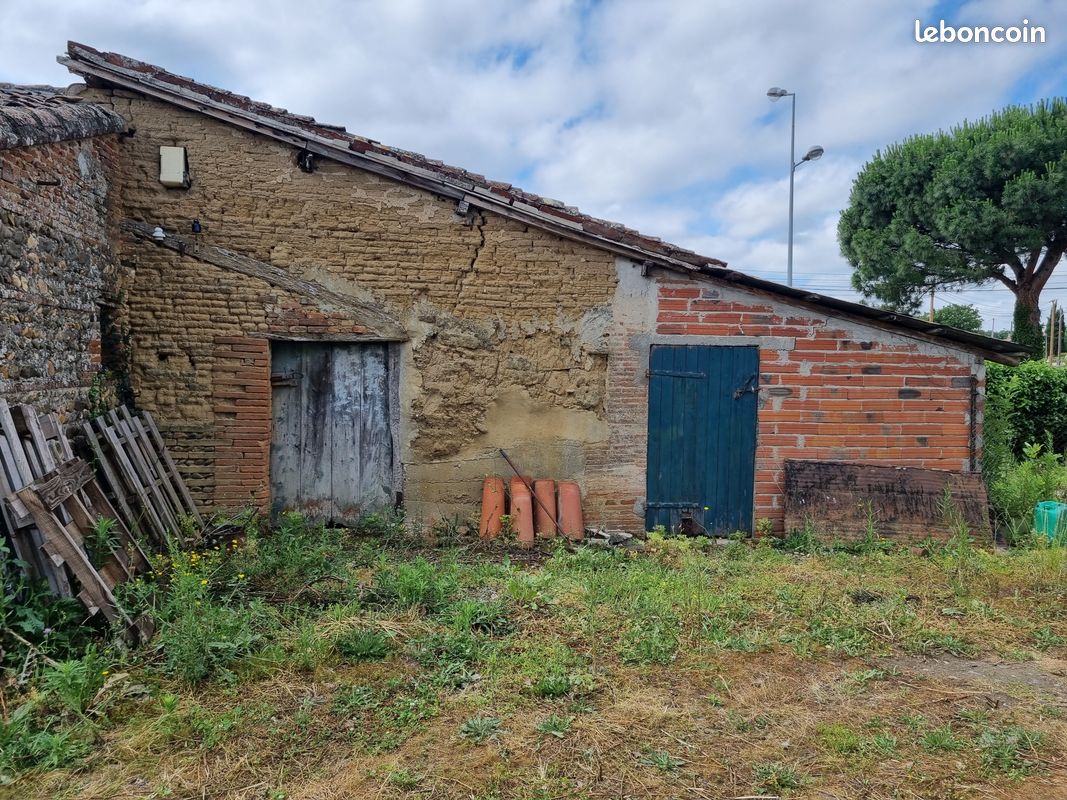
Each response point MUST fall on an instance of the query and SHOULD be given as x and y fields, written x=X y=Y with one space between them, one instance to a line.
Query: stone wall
x=831 y=387
x=505 y=324
x=56 y=270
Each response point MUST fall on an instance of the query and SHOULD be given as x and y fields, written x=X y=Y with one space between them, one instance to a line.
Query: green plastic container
x=1050 y=519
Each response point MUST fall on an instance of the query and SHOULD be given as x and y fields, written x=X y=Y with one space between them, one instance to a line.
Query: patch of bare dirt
x=1045 y=677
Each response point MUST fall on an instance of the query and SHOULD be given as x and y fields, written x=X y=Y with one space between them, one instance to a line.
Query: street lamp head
x=776 y=93
x=813 y=154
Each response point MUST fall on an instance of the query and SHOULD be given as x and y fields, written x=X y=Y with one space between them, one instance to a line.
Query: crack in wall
x=471 y=269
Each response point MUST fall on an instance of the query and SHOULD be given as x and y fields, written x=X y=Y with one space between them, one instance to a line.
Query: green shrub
x=1033 y=398
x=290 y=557
x=555 y=725
x=553 y=684
x=479 y=729
x=651 y=640
x=1010 y=750
x=414 y=584
x=101 y=542
x=205 y=625
x=776 y=776
x=74 y=683
x=488 y=617
x=29 y=612
x=363 y=644
x=27 y=742
x=1040 y=475
x=436 y=649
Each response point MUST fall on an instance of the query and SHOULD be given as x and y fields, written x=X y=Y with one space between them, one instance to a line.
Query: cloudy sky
x=649 y=113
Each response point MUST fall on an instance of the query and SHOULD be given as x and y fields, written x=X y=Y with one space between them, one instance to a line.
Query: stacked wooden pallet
x=140 y=474
x=80 y=534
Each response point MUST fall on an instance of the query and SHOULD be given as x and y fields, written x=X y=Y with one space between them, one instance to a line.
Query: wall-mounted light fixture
x=197 y=227
x=158 y=234
x=305 y=159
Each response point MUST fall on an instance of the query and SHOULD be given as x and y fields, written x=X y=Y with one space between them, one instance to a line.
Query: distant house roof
x=39 y=114
x=335 y=143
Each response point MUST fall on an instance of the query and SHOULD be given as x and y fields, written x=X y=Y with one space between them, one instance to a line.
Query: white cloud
x=652 y=114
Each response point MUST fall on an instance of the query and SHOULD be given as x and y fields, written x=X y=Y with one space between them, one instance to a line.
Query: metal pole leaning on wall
x=533 y=494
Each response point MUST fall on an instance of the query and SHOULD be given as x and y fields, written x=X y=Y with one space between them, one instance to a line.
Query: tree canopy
x=957 y=315
x=985 y=201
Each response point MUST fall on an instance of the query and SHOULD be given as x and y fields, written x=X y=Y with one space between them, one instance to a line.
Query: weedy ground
x=303 y=662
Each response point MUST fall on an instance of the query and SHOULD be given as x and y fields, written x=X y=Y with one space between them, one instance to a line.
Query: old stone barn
x=321 y=322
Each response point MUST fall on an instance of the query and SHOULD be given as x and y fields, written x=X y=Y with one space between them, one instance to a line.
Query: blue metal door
x=701 y=438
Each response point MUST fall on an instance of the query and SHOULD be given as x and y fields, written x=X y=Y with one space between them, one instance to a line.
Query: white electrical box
x=173 y=167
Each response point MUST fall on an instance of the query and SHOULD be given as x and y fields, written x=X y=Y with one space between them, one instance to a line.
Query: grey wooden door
x=331 y=455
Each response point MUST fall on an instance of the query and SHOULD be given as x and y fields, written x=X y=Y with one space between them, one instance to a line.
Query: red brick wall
x=242 y=410
x=830 y=388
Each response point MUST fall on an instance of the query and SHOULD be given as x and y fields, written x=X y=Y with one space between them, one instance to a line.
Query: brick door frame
x=641 y=346
x=243 y=418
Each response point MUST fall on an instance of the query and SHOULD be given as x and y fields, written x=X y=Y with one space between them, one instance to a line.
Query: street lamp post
x=775 y=94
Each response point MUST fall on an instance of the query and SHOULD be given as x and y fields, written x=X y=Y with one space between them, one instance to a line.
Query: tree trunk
x=1027 y=318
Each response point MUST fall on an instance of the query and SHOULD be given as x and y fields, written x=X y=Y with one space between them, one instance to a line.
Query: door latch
x=748 y=386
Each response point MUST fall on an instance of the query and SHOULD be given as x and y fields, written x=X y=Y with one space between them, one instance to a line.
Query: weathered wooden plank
x=148 y=452
x=26 y=420
x=126 y=439
x=16 y=519
x=149 y=479
x=129 y=474
x=287 y=400
x=102 y=507
x=375 y=489
x=905 y=503
x=104 y=465
x=62 y=482
x=94 y=593
x=316 y=444
x=21 y=473
x=345 y=398
x=172 y=469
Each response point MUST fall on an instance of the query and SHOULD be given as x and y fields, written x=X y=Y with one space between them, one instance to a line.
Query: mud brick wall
x=830 y=388
x=57 y=267
x=505 y=323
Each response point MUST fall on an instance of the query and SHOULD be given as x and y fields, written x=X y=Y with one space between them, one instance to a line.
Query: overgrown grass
x=304 y=654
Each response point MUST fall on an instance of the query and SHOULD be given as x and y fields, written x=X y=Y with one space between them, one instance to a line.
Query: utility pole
x=1051 y=332
x=931 y=303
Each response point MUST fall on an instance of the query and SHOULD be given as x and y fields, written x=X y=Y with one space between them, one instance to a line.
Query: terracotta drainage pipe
x=570 y=510
x=492 y=508
x=522 y=510
x=545 y=513
x=528 y=486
